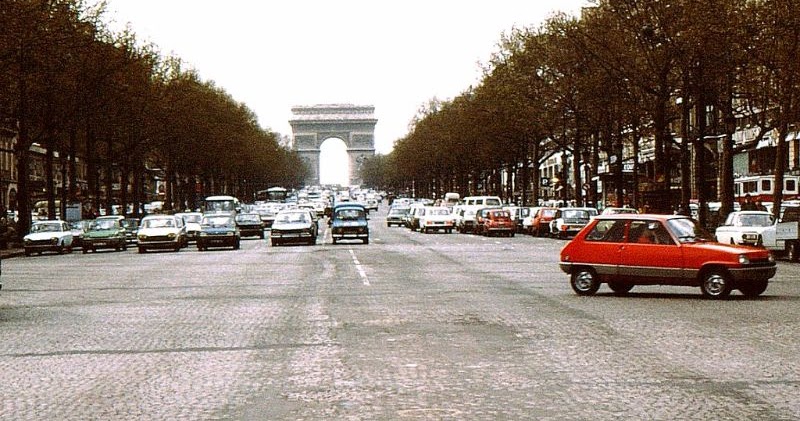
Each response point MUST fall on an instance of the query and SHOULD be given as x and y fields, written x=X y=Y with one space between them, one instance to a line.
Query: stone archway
x=353 y=124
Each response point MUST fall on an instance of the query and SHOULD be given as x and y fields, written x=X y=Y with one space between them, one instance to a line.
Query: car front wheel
x=716 y=284
x=584 y=281
x=754 y=288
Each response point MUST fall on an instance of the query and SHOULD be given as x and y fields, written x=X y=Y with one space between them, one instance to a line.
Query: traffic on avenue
x=403 y=324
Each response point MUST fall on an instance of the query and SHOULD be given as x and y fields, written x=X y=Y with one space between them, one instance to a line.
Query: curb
x=14 y=252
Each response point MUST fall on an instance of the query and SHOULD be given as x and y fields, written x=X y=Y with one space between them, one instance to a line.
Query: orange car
x=540 y=221
x=627 y=250
x=493 y=221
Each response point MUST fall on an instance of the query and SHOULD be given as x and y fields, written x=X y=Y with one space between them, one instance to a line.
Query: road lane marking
x=359 y=268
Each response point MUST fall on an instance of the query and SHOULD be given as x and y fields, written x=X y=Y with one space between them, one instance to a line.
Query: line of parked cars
x=486 y=215
x=153 y=232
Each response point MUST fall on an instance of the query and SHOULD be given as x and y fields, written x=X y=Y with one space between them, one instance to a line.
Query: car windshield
x=130 y=223
x=46 y=227
x=158 y=223
x=217 y=221
x=492 y=202
x=548 y=213
x=248 y=218
x=192 y=219
x=349 y=214
x=575 y=214
x=443 y=211
x=292 y=217
x=77 y=225
x=687 y=230
x=398 y=211
x=500 y=214
x=103 y=224
x=754 y=220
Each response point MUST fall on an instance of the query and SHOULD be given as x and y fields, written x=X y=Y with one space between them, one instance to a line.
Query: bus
x=762 y=188
x=273 y=195
x=221 y=204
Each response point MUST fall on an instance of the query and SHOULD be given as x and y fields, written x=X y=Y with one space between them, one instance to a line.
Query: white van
x=483 y=201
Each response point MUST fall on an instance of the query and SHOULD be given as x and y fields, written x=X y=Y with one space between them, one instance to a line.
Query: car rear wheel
x=716 y=284
x=620 y=288
x=584 y=281
x=141 y=250
x=754 y=288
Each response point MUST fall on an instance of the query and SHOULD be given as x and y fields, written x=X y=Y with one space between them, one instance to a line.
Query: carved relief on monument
x=362 y=141
x=305 y=141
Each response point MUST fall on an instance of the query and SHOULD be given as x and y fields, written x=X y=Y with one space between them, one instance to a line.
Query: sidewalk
x=12 y=251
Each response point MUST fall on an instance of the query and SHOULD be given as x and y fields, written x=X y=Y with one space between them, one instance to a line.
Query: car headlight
x=54 y=240
x=744 y=260
x=203 y=234
x=771 y=258
x=142 y=237
x=171 y=235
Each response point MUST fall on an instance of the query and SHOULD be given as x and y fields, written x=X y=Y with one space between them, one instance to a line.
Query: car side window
x=609 y=231
x=648 y=232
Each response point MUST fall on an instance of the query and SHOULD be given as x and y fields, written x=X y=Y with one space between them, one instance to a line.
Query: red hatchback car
x=627 y=250
x=540 y=222
x=493 y=221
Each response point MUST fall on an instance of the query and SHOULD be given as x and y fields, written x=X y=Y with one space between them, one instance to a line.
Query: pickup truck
x=784 y=236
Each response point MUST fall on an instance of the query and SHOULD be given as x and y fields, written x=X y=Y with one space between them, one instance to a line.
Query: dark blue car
x=349 y=222
x=218 y=230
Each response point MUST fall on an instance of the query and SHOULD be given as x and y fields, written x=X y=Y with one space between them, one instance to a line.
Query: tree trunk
x=700 y=161
x=780 y=168
x=686 y=174
x=49 y=174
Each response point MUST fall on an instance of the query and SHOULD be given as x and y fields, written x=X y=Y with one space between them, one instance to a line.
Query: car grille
x=46 y=242
x=157 y=238
x=291 y=233
x=761 y=262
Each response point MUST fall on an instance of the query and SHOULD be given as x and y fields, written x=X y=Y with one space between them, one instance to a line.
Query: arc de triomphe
x=354 y=124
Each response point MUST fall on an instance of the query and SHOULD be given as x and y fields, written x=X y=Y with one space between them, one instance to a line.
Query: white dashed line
x=359 y=268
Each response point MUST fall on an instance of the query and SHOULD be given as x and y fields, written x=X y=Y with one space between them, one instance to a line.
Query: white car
x=465 y=218
x=744 y=228
x=569 y=221
x=51 y=235
x=162 y=232
x=436 y=218
x=192 y=221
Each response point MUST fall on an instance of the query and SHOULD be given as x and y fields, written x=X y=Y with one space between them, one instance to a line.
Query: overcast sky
x=395 y=55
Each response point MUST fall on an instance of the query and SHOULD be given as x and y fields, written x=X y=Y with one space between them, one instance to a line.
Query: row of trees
x=98 y=99
x=593 y=87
